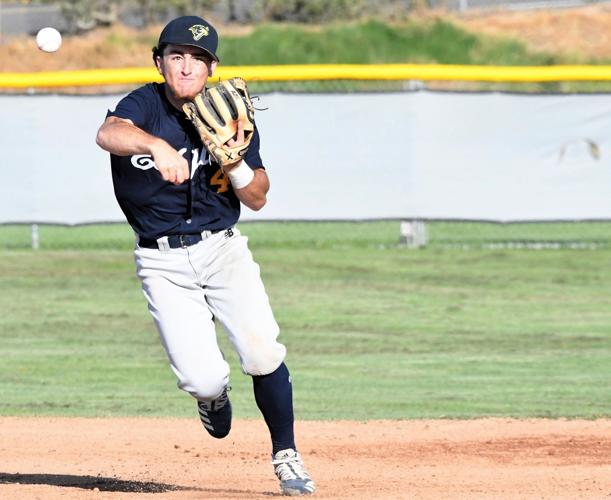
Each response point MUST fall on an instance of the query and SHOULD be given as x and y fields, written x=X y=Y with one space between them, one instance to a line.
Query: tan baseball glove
x=215 y=115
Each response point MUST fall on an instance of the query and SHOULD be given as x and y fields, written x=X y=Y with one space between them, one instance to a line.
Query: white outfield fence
x=405 y=156
x=420 y=155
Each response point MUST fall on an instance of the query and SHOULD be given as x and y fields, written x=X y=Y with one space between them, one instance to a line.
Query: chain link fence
x=586 y=235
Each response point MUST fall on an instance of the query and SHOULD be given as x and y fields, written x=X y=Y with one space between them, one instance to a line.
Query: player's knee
x=205 y=384
x=204 y=390
x=263 y=360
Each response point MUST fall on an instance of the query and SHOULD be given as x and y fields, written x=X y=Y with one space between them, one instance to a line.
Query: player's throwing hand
x=172 y=166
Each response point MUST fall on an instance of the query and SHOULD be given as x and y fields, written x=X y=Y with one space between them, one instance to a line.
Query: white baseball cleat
x=289 y=469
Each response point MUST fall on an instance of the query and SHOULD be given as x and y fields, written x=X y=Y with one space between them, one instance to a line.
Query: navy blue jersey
x=155 y=207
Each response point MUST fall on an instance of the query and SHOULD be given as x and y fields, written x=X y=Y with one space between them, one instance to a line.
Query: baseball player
x=194 y=265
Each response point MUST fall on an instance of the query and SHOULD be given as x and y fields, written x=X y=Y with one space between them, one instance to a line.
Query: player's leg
x=237 y=297
x=186 y=329
x=274 y=397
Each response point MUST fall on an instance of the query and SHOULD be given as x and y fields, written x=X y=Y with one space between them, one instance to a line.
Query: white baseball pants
x=188 y=288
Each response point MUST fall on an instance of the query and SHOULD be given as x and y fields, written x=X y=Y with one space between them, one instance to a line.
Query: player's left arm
x=252 y=192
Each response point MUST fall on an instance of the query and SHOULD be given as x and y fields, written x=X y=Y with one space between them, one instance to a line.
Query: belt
x=178 y=240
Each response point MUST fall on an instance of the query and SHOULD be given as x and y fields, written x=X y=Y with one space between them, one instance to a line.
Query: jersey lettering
x=197 y=160
x=145 y=162
x=220 y=180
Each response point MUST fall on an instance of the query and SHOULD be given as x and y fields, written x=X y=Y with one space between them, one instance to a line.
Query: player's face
x=185 y=69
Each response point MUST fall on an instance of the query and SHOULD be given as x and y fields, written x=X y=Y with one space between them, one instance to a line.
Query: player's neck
x=172 y=99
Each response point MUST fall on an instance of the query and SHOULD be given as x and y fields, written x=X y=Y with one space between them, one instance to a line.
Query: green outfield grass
x=373 y=330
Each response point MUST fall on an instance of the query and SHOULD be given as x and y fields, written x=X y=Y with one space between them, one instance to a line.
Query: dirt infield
x=48 y=458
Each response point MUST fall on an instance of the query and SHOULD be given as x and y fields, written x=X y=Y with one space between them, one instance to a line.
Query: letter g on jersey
x=145 y=162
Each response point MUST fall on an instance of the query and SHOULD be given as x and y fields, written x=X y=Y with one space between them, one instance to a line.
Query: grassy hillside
x=437 y=41
x=430 y=40
x=439 y=38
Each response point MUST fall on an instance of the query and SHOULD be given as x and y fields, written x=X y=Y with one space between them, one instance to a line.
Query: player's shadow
x=115 y=485
x=89 y=483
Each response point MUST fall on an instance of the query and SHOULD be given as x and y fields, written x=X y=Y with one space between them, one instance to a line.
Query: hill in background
x=577 y=35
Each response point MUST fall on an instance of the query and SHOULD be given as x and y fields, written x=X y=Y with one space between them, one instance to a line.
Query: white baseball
x=48 y=40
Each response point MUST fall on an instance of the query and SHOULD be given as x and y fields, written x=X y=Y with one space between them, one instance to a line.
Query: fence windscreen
x=347 y=156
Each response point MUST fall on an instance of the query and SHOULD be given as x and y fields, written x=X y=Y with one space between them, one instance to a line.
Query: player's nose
x=187 y=65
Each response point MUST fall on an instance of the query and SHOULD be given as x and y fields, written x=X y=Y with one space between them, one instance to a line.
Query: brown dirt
x=579 y=31
x=117 y=47
x=88 y=51
x=70 y=458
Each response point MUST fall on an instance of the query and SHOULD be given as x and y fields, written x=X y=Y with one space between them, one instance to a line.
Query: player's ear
x=157 y=58
x=212 y=67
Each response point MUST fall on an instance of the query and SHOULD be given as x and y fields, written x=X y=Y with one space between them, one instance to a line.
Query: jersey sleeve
x=136 y=106
x=253 y=156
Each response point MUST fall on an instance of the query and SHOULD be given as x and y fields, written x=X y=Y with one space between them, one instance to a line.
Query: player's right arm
x=121 y=137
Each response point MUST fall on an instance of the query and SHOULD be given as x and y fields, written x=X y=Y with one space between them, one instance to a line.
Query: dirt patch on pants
x=137 y=458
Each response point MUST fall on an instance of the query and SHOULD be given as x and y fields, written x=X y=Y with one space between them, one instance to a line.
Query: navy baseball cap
x=190 y=30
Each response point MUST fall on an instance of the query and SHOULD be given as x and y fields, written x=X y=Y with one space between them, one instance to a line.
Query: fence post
x=35 y=237
x=413 y=233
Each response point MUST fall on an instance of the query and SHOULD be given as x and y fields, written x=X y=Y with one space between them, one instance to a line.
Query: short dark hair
x=158 y=51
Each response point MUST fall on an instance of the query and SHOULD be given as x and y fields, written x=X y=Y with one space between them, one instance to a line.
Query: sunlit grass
x=373 y=330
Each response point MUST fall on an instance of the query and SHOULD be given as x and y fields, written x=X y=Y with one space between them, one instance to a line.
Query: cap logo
x=199 y=31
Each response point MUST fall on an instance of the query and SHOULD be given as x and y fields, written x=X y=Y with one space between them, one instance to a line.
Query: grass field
x=373 y=330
